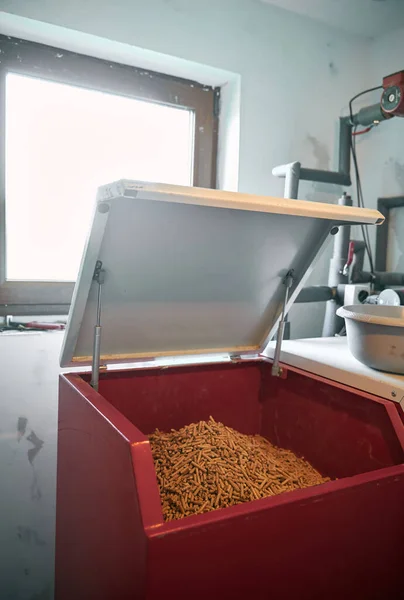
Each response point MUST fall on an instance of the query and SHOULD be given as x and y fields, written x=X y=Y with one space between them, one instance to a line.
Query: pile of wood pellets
x=205 y=466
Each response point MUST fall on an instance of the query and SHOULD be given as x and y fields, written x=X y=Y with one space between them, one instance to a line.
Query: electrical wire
x=363 y=130
x=359 y=192
x=360 y=200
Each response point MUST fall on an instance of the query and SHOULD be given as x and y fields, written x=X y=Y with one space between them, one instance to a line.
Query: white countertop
x=331 y=358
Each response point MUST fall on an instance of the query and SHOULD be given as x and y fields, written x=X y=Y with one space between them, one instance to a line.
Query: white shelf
x=331 y=358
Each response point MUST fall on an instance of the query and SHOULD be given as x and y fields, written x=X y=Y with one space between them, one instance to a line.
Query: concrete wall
x=295 y=78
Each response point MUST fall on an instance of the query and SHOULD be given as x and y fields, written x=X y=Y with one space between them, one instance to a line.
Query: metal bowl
x=376 y=335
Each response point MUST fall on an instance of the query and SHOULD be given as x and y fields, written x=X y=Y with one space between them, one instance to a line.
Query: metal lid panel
x=191 y=275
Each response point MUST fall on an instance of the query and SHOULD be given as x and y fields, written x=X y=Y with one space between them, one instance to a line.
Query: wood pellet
x=206 y=466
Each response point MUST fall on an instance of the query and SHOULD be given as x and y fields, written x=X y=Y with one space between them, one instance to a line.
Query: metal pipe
x=340 y=254
x=315 y=293
x=292 y=181
x=369 y=115
x=295 y=171
x=291 y=173
x=381 y=279
x=366 y=116
x=320 y=176
x=98 y=321
x=95 y=374
x=336 y=276
x=358 y=261
x=291 y=191
x=344 y=147
x=385 y=279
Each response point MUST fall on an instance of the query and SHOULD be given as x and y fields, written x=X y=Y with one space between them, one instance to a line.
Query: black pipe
x=369 y=115
x=380 y=279
x=343 y=175
x=365 y=117
x=386 y=279
x=344 y=148
x=325 y=176
x=315 y=293
x=358 y=261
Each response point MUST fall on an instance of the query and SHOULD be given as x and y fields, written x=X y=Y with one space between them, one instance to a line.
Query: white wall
x=296 y=76
x=28 y=430
x=283 y=60
x=382 y=151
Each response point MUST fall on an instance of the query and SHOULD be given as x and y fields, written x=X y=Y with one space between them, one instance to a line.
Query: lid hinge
x=99 y=275
x=287 y=282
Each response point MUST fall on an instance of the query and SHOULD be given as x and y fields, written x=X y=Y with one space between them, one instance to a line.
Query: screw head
x=394 y=394
x=103 y=207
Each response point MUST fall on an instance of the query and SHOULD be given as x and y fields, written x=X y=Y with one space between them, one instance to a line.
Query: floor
x=28 y=427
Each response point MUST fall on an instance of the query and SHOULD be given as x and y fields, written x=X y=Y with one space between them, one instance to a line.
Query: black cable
x=378 y=87
x=359 y=192
x=360 y=201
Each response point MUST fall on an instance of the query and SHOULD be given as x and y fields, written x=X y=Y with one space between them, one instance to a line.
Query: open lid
x=191 y=270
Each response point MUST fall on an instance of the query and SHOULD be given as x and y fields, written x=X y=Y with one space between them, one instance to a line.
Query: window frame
x=46 y=62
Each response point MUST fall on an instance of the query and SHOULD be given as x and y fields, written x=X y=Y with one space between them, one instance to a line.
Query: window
x=73 y=123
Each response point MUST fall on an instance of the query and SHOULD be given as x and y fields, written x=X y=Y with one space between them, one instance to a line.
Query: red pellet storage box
x=179 y=292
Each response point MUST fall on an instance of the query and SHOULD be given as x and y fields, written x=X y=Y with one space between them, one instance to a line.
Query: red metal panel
x=100 y=540
x=400 y=411
x=342 y=545
x=172 y=398
x=342 y=433
x=342 y=540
